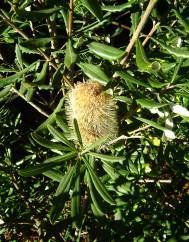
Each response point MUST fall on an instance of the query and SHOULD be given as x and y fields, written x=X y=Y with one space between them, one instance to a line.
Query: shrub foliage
x=52 y=187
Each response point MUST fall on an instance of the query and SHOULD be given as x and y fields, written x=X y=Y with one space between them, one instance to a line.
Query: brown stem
x=154 y=28
x=70 y=18
x=29 y=102
x=139 y=29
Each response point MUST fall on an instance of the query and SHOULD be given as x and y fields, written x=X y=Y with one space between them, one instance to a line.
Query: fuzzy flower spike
x=94 y=110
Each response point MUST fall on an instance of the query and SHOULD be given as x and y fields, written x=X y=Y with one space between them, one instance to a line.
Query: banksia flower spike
x=94 y=110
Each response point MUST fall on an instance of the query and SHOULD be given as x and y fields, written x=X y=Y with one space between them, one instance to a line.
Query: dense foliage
x=52 y=187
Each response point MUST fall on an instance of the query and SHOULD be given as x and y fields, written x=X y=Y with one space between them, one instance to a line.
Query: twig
x=121 y=25
x=167 y=181
x=13 y=26
x=124 y=137
x=29 y=102
x=139 y=129
x=154 y=28
x=70 y=18
x=51 y=23
x=139 y=29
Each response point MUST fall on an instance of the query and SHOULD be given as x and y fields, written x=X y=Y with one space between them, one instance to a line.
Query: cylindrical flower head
x=94 y=110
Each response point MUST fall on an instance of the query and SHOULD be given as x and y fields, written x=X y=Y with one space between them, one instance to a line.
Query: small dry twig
x=29 y=102
x=70 y=18
x=139 y=29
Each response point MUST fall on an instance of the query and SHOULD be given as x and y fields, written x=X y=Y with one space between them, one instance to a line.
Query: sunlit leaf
x=99 y=185
x=70 y=55
x=95 y=73
x=118 y=8
x=94 y=7
x=105 y=51
x=47 y=164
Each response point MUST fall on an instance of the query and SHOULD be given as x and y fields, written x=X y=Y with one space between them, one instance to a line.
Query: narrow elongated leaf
x=67 y=179
x=58 y=205
x=75 y=200
x=59 y=136
x=111 y=171
x=43 y=73
x=5 y=91
x=152 y=123
x=61 y=124
x=36 y=15
x=99 y=185
x=141 y=59
x=51 y=118
x=46 y=143
x=108 y=157
x=178 y=52
x=118 y=8
x=105 y=51
x=182 y=20
x=95 y=196
x=7 y=70
x=12 y=79
x=70 y=55
x=54 y=175
x=96 y=144
x=146 y=103
x=47 y=165
x=19 y=55
x=94 y=7
x=36 y=43
x=128 y=78
x=94 y=72
x=77 y=132
x=65 y=18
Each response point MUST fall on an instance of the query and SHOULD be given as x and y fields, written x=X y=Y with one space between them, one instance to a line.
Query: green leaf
x=94 y=73
x=178 y=52
x=5 y=92
x=130 y=79
x=54 y=175
x=47 y=164
x=12 y=79
x=182 y=21
x=46 y=143
x=111 y=171
x=70 y=55
x=57 y=76
x=118 y=8
x=156 y=84
x=43 y=73
x=36 y=15
x=6 y=70
x=75 y=200
x=146 y=103
x=94 y=7
x=95 y=145
x=95 y=196
x=77 y=132
x=59 y=136
x=99 y=185
x=141 y=59
x=152 y=123
x=19 y=56
x=108 y=157
x=65 y=182
x=36 y=43
x=61 y=124
x=51 y=118
x=105 y=51
x=65 y=18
